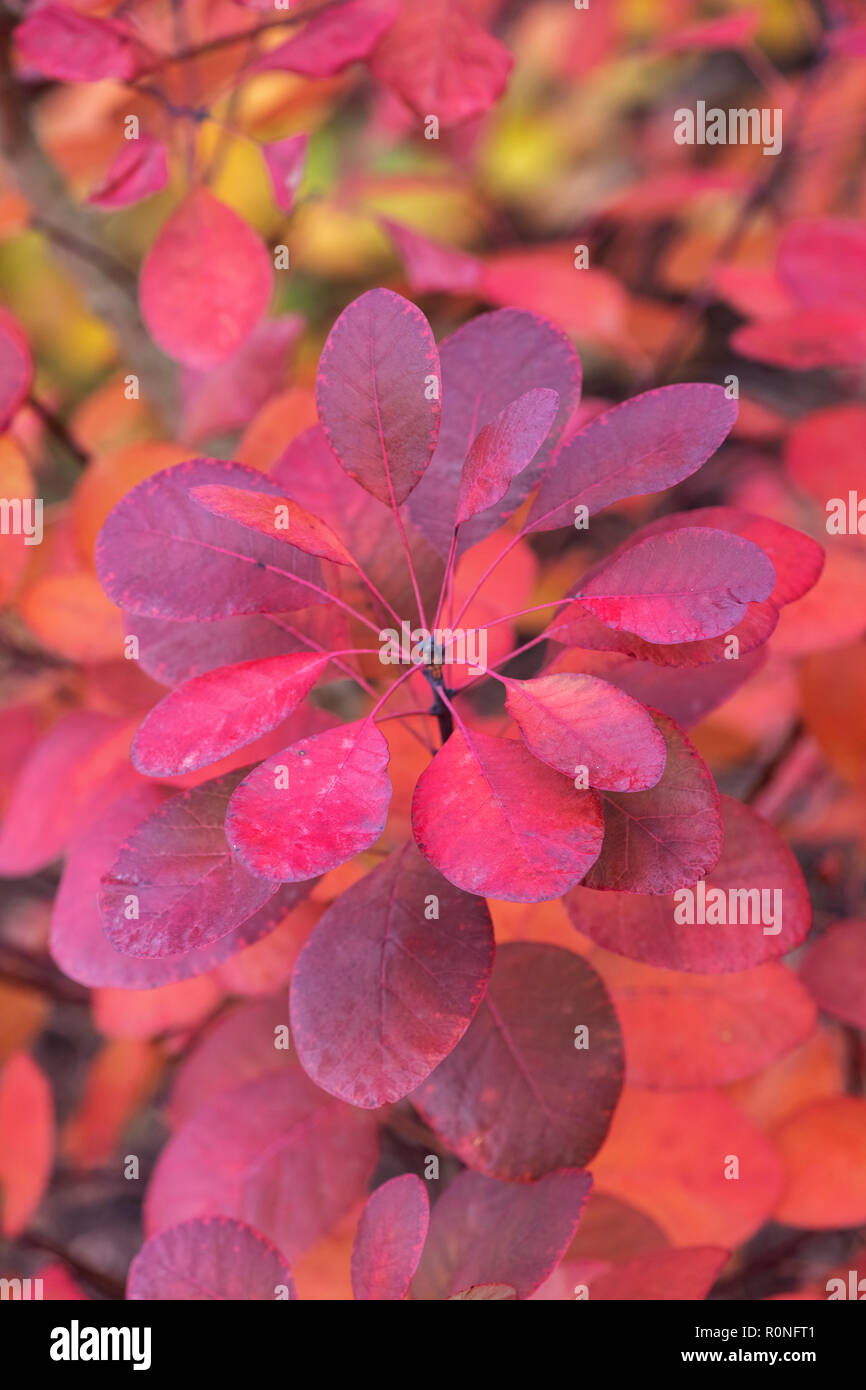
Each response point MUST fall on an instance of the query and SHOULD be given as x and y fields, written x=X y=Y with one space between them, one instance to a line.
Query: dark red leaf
x=483 y=1231
x=212 y=1257
x=390 y=1238
x=503 y=449
x=314 y=805
x=535 y=1080
x=403 y=959
x=496 y=821
x=834 y=972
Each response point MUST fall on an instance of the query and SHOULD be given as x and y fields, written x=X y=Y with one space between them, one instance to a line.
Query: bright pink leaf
x=527 y=1090
x=483 y=1231
x=375 y=393
x=279 y=517
x=644 y=445
x=755 y=860
x=496 y=821
x=162 y=554
x=205 y=282
x=682 y=585
x=211 y=1257
x=79 y=944
x=139 y=170
x=16 y=367
x=431 y=266
x=822 y=263
x=285 y=160
x=571 y=721
x=212 y=715
x=405 y=985
x=486 y=364
x=58 y=42
x=834 y=972
x=441 y=62
x=503 y=449
x=274 y=1152
x=26 y=1141
x=390 y=1239
x=575 y=627
x=176 y=886
x=314 y=805
x=332 y=40
x=665 y=838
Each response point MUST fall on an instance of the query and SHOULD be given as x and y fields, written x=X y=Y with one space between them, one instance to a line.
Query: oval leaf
x=137 y=171
x=279 y=517
x=390 y=1238
x=503 y=449
x=212 y=1257
x=26 y=1141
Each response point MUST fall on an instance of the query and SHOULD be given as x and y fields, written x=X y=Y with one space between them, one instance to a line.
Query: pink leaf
x=313 y=805
x=375 y=393
x=679 y=586
x=575 y=627
x=732 y=31
x=822 y=263
x=405 y=986
x=227 y=396
x=644 y=445
x=285 y=160
x=279 y=517
x=16 y=367
x=26 y=1141
x=432 y=267
x=495 y=821
x=521 y=1094
x=652 y=929
x=205 y=282
x=486 y=364
x=175 y=886
x=79 y=944
x=664 y=838
x=173 y=651
x=503 y=449
x=332 y=40
x=139 y=170
x=390 y=1238
x=483 y=1231
x=58 y=42
x=212 y=715
x=809 y=338
x=682 y=1275
x=274 y=1152
x=834 y=972
x=440 y=61
x=161 y=554
x=571 y=721
x=211 y=1257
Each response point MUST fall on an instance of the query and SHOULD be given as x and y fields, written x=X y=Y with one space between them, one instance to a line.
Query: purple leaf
x=212 y=1257
x=390 y=1238
x=503 y=449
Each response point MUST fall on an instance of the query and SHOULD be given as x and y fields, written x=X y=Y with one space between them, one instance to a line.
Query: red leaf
x=404 y=984
x=647 y=444
x=486 y=364
x=681 y=1275
x=79 y=944
x=495 y=821
x=276 y=1153
x=680 y=586
x=16 y=367
x=314 y=805
x=521 y=1095
x=645 y=928
x=823 y=451
x=26 y=1141
x=70 y=47
x=735 y=1024
x=161 y=554
x=576 y=628
x=278 y=517
x=139 y=170
x=285 y=160
x=431 y=267
x=332 y=40
x=503 y=449
x=822 y=263
x=687 y=695
x=664 y=838
x=824 y=337
x=235 y=1047
x=372 y=392
x=390 y=1239
x=823 y=1150
x=171 y=651
x=212 y=715
x=209 y=1258
x=834 y=972
x=483 y=1232
x=179 y=879
x=571 y=721
x=205 y=282
x=441 y=62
